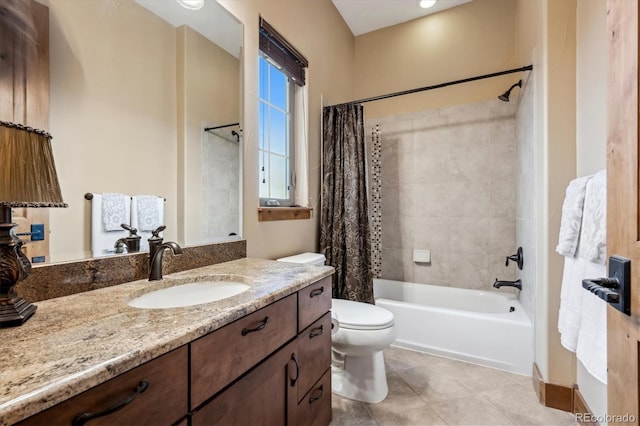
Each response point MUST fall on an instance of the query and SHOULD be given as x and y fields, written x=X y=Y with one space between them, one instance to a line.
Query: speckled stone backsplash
x=63 y=279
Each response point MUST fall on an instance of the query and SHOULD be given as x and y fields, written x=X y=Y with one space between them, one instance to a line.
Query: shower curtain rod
x=206 y=129
x=438 y=86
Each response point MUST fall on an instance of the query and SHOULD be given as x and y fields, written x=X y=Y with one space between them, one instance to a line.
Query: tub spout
x=517 y=284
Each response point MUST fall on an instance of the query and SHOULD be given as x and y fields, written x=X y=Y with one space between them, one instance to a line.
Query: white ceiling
x=363 y=16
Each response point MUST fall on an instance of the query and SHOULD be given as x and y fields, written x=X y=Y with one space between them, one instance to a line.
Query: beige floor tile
x=347 y=412
x=434 y=384
x=469 y=411
x=417 y=416
x=521 y=405
x=478 y=378
x=401 y=359
x=400 y=398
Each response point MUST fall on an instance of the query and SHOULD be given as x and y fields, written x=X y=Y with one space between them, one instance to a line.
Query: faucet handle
x=158 y=230
x=131 y=229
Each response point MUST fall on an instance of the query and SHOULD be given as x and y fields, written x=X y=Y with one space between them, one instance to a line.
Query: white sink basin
x=189 y=294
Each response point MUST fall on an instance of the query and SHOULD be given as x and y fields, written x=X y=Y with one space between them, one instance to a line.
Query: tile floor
x=430 y=390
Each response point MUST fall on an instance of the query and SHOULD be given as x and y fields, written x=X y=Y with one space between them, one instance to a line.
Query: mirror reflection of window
x=281 y=79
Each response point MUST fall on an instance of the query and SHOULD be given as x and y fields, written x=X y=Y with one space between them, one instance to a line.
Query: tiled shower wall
x=448 y=186
x=220 y=186
x=525 y=225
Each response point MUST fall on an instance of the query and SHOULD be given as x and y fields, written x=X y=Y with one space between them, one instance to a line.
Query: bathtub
x=483 y=327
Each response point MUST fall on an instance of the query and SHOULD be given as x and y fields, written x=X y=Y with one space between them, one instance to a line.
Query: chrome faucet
x=517 y=284
x=155 y=267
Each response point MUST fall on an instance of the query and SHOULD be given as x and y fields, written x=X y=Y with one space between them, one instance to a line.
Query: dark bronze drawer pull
x=246 y=331
x=293 y=358
x=313 y=399
x=316 y=332
x=82 y=418
x=316 y=292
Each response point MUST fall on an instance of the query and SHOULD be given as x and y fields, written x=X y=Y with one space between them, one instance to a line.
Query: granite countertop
x=75 y=342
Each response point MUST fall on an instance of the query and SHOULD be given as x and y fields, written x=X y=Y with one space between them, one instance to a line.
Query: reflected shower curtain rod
x=206 y=129
x=438 y=86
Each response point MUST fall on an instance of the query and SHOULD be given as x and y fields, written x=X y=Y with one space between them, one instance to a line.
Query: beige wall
x=591 y=78
x=546 y=36
x=476 y=38
x=317 y=30
x=112 y=117
x=591 y=133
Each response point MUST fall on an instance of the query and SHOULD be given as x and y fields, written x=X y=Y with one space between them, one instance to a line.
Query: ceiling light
x=426 y=4
x=193 y=4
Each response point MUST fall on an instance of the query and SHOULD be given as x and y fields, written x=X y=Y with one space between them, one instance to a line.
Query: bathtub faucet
x=517 y=284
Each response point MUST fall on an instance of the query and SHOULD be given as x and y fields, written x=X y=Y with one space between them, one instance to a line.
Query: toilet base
x=362 y=378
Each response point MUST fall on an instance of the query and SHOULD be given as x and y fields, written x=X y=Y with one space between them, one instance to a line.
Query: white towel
x=115 y=211
x=572 y=216
x=102 y=241
x=571 y=293
x=593 y=237
x=145 y=221
x=592 y=338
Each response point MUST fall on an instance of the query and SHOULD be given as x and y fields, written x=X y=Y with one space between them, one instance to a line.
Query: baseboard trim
x=584 y=415
x=550 y=395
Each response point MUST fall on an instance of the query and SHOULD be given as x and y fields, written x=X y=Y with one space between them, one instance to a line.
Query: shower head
x=505 y=96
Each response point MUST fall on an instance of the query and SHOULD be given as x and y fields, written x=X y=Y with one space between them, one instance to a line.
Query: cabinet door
x=126 y=399
x=313 y=302
x=315 y=408
x=238 y=347
x=314 y=349
x=261 y=397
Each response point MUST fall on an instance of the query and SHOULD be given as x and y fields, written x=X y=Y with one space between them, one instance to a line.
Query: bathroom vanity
x=260 y=357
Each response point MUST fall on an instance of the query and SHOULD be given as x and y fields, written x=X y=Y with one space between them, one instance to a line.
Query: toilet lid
x=361 y=316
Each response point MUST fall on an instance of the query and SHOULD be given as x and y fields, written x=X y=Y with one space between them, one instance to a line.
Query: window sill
x=266 y=214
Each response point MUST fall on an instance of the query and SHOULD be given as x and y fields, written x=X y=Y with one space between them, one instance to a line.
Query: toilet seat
x=361 y=316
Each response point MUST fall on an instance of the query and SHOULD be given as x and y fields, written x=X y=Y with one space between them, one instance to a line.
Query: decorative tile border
x=376 y=202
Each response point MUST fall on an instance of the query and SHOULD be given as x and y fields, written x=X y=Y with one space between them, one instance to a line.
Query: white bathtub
x=487 y=328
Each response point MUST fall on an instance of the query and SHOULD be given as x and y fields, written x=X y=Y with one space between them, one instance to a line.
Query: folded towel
x=148 y=211
x=151 y=220
x=572 y=216
x=115 y=211
x=593 y=237
x=571 y=294
x=592 y=339
x=102 y=241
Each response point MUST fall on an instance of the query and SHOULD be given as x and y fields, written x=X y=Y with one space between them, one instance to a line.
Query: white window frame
x=290 y=139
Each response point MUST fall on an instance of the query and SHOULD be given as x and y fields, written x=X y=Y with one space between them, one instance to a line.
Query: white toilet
x=357 y=363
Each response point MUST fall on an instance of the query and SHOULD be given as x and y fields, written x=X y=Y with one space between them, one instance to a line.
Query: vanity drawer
x=314 y=353
x=313 y=301
x=220 y=357
x=162 y=401
x=315 y=408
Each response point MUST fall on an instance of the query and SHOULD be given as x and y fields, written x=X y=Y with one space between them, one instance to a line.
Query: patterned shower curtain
x=344 y=229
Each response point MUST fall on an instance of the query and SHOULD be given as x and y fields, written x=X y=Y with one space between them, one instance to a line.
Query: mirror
x=133 y=85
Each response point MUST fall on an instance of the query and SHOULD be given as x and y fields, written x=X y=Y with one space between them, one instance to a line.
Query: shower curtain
x=344 y=229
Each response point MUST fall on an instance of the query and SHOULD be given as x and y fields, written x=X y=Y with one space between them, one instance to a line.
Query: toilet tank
x=305 y=258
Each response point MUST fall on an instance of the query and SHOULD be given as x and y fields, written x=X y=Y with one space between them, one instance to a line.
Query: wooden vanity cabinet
x=163 y=400
x=290 y=387
x=271 y=367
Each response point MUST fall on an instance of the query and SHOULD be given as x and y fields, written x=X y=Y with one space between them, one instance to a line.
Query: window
x=275 y=149
x=281 y=77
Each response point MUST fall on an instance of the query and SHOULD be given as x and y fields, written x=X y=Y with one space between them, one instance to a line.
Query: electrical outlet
x=37 y=232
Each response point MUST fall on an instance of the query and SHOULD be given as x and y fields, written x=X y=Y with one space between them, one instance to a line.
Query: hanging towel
x=571 y=294
x=102 y=241
x=147 y=215
x=115 y=211
x=593 y=236
x=592 y=339
x=572 y=216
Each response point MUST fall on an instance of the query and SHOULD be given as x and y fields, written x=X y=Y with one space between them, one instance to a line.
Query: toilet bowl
x=357 y=362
